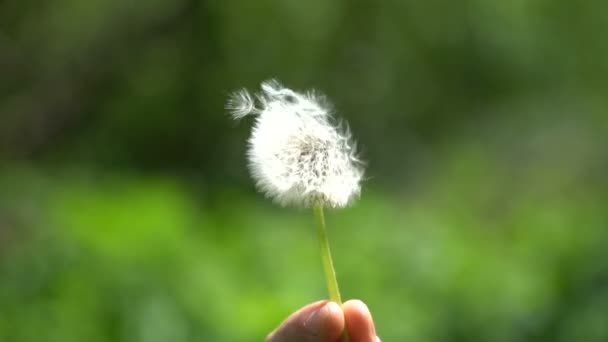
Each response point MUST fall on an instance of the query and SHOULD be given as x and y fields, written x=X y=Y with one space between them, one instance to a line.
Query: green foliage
x=126 y=211
x=123 y=257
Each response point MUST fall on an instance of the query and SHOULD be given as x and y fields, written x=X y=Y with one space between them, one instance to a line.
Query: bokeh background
x=127 y=212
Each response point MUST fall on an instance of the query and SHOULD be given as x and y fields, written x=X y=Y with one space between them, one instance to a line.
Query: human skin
x=324 y=321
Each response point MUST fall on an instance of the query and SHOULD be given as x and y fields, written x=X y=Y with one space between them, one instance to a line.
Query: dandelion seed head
x=298 y=154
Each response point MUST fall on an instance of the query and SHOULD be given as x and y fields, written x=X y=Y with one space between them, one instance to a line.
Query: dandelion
x=299 y=154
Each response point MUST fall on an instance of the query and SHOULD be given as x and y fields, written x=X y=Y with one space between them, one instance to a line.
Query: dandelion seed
x=240 y=104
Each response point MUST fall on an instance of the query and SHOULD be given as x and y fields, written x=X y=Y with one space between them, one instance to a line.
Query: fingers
x=359 y=323
x=322 y=321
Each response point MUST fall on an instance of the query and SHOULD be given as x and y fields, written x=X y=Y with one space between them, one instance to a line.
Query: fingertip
x=359 y=322
x=321 y=321
x=332 y=322
x=356 y=306
x=334 y=312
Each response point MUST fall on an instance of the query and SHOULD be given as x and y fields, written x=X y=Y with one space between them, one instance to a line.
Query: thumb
x=322 y=321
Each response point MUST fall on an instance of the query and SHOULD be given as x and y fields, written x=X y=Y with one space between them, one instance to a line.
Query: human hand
x=324 y=321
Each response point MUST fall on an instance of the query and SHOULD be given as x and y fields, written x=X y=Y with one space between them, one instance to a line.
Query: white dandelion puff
x=298 y=154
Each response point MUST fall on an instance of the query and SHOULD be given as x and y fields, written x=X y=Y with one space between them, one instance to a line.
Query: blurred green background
x=127 y=212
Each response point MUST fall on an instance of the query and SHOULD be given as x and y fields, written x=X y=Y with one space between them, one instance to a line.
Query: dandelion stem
x=328 y=265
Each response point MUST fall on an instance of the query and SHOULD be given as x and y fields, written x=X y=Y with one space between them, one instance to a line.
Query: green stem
x=328 y=265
